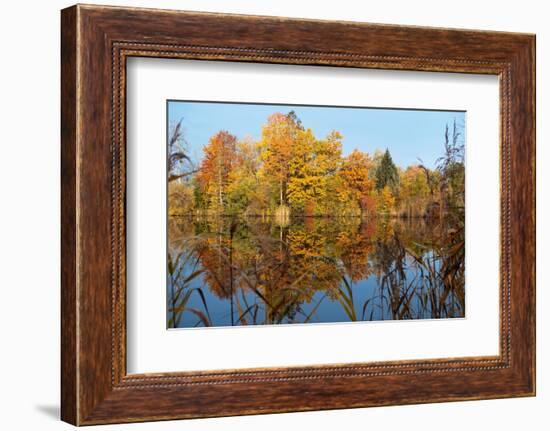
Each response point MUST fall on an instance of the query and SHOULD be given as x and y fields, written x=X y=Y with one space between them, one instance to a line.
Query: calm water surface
x=228 y=271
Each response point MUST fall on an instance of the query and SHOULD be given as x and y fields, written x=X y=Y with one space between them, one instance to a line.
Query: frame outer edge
x=69 y=210
x=86 y=396
x=533 y=53
x=532 y=83
x=523 y=208
x=530 y=63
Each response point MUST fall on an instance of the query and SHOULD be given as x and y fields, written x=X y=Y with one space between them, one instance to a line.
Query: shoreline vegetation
x=290 y=172
x=289 y=230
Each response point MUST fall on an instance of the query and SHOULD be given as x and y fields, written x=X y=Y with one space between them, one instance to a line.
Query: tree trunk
x=220 y=195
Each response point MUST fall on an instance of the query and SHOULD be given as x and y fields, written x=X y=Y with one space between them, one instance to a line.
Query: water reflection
x=227 y=271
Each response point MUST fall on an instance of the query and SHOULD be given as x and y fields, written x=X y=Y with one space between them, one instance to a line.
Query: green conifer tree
x=386 y=173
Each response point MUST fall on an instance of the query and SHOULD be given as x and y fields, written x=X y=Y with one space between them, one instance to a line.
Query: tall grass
x=181 y=280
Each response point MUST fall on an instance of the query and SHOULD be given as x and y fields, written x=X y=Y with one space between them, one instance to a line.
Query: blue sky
x=408 y=134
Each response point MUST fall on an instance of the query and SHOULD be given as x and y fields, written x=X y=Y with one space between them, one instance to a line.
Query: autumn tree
x=386 y=202
x=243 y=181
x=180 y=198
x=356 y=175
x=312 y=165
x=277 y=143
x=220 y=156
x=413 y=191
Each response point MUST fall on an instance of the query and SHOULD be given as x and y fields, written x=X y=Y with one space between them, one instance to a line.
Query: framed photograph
x=264 y=214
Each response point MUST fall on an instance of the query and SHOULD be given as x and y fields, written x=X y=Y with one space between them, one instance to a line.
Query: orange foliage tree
x=278 y=137
x=220 y=155
x=355 y=172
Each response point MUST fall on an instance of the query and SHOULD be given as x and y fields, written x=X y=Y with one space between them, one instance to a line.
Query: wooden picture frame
x=95 y=43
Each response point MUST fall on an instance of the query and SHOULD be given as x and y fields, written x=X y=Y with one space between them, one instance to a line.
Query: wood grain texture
x=96 y=41
x=69 y=397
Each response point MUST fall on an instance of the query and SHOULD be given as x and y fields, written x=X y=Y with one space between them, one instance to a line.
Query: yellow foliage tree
x=313 y=164
x=386 y=201
x=414 y=191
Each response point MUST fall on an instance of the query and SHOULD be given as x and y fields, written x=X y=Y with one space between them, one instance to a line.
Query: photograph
x=307 y=214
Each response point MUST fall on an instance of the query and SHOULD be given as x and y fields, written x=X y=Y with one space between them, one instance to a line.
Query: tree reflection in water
x=227 y=271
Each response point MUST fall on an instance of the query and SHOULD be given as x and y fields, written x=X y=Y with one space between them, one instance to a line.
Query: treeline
x=289 y=171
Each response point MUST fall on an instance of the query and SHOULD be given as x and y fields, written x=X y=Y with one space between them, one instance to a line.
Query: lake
x=233 y=271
